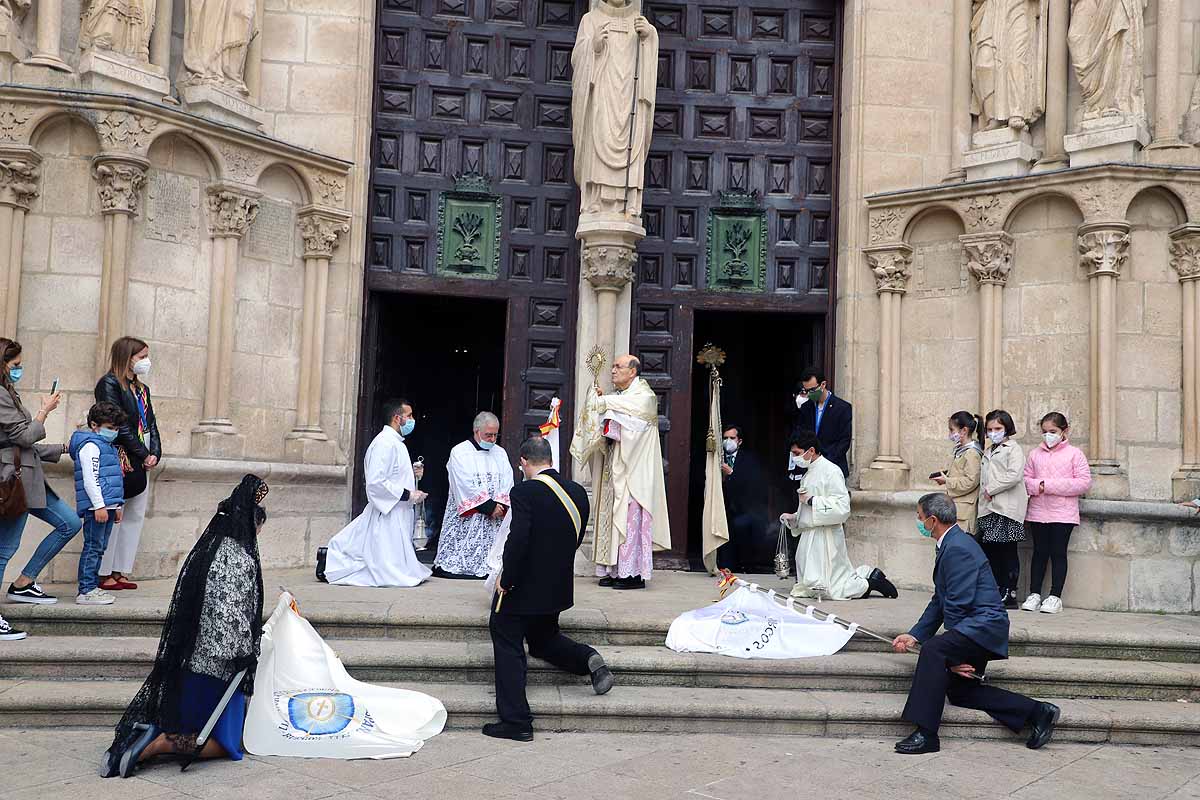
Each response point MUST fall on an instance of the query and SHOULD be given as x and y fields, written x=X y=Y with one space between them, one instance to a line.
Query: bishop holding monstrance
x=618 y=434
x=615 y=64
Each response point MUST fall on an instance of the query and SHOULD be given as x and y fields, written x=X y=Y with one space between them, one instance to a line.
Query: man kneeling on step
x=951 y=664
x=536 y=584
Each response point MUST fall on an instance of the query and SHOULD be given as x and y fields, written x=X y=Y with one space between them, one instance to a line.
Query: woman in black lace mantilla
x=211 y=635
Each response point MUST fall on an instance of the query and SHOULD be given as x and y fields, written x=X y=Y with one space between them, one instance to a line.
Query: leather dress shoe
x=322 y=552
x=634 y=582
x=918 y=742
x=147 y=733
x=877 y=581
x=508 y=730
x=1042 y=724
x=602 y=677
x=607 y=581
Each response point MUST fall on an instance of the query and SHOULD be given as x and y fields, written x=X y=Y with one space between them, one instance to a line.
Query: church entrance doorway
x=764 y=356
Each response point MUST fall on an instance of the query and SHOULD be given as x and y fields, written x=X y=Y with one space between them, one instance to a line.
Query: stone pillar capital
x=892 y=266
x=1103 y=247
x=20 y=169
x=609 y=266
x=119 y=179
x=988 y=256
x=231 y=210
x=1185 y=251
x=321 y=228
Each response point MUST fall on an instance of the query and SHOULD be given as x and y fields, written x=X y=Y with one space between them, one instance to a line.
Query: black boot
x=878 y=582
x=322 y=552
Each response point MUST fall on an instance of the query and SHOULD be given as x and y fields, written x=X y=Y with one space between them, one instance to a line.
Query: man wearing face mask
x=376 y=548
x=480 y=480
x=745 y=501
x=832 y=418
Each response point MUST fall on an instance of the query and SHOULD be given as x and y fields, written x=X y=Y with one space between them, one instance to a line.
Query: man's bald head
x=624 y=369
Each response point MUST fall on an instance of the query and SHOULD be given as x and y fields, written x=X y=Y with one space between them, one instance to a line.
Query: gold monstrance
x=596 y=359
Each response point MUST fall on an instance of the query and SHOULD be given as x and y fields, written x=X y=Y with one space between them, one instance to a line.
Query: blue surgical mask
x=407 y=427
x=487 y=445
x=15 y=373
x=107 y=434
x=921 y=529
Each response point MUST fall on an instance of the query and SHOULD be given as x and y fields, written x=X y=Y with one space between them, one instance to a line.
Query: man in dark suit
x=745 y=501
x=831 y=417
x=536 y=584
x=951 y=665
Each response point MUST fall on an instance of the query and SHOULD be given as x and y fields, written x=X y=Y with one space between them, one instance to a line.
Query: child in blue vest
x=99 y=495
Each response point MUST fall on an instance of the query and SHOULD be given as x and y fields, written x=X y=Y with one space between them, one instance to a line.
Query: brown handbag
x=12 y=491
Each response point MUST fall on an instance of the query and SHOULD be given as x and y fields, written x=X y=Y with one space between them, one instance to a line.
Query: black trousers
x=738 y=552
x=1005 y=563
x=934 y=683
x=1050 y=540
x=546 y=641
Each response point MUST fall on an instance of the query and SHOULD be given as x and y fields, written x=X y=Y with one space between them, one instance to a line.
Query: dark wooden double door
x=746 y=103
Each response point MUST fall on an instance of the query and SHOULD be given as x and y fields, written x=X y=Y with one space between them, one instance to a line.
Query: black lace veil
x=158 y=701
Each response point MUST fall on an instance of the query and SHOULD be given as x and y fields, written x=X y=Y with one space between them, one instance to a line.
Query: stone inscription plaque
x=273 y=232
x=173 y=208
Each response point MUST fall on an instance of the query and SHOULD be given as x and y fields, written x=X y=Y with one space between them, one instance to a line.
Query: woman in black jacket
x=141 y=448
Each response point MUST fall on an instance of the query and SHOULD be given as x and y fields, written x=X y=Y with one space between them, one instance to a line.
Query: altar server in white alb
x=376 y=548
x=477 y=506
x=822 y=563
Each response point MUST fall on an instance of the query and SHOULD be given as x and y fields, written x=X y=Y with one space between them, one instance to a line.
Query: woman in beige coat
x=1002 y=502
x=961 y=479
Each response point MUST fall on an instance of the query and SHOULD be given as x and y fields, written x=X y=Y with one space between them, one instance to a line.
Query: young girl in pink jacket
x=1056 y=475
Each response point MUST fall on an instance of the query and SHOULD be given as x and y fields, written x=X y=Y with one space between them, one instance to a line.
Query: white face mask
x=996 y=436
x=1051 y=439
x=801 y=399
x=141 y=368
x=802 y=461
x=731 y=446
x=955 y=437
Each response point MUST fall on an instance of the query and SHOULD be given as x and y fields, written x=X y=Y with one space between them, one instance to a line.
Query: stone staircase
x=1118 y=677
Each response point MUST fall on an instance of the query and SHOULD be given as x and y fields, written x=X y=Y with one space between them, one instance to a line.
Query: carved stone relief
x=172 y=207
x=1103 y=248
x=891 y=267
x=230 y=213
x=320 y=233
x=18 y=181
x=119 y=185
x=14 y=121
x=121 y=130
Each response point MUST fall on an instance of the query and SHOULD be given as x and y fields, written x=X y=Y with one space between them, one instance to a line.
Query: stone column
x=891 y=265
x=231 y=210
x=160 y=39
x=988 y=257
x=19 y=172
x=1103 y=250
x=1167 y=118
x=253 y=76
x=320 y=229
x=119 y=179
x=1058 y=71
x=1185 y=259
x=49 y=34
x=960 y=136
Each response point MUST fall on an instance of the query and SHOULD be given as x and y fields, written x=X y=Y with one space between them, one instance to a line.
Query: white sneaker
x=1032 y=603
x=8 y=633
x=1051 y=605
x=96 y=597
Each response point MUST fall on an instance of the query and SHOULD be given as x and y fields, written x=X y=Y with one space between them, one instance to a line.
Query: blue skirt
x=201 y=693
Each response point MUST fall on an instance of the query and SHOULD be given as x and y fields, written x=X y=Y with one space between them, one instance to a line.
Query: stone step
x=669 y=709
x=104 y=658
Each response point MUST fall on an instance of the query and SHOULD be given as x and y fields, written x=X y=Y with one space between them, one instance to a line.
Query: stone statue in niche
x=615 y=51
x=1191 y=120
x=1008 y=62
x=122 y=27
x=1107 y=43
x=216 y=41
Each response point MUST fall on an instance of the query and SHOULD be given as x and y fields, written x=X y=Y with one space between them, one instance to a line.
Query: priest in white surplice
x=822 y=564
x=620 y=432
x=376 y=548
x=477 y=506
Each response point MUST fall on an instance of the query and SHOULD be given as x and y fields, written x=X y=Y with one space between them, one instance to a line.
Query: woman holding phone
x=124 y=386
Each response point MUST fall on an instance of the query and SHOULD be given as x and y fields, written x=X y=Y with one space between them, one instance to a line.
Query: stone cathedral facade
x=959 y=204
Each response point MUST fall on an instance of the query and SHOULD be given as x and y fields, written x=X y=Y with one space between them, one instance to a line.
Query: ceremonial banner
x=751 y=624
x=549 y=429
x=306 y=704
x=714 y=523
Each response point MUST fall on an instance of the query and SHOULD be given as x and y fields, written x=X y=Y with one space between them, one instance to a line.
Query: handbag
x=783 y=567
x=12 y=492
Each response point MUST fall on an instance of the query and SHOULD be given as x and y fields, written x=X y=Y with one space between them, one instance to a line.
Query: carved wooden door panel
x=739 y=205
x=472 y=192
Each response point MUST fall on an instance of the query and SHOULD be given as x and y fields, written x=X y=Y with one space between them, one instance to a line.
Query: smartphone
x=54 y=387
x=933 y=475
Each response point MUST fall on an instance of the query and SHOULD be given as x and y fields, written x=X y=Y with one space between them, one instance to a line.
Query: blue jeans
x=95 y=540
x=57 y=514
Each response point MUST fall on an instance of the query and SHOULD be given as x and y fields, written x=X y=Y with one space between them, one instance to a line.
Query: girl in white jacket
x=1002 y=501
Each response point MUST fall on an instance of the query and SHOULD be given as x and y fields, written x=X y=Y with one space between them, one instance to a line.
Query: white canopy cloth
x=305 y=704
x=751 y=624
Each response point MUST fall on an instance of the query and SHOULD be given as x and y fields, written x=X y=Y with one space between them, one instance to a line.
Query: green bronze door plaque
x=469 y=230
x=737 y=244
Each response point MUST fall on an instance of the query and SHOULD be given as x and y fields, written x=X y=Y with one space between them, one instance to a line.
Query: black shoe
x=1010 y=600
x=1042 y=723
x=508 y=730
x=322 y=552
x=878 y=582
x=8 y=633
x=917 y=743
x=606 y=581
x=110 y=765
x=438 y=572
x=634 y=582
x=602 y=677
x=30 y=594
x=129 y=759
